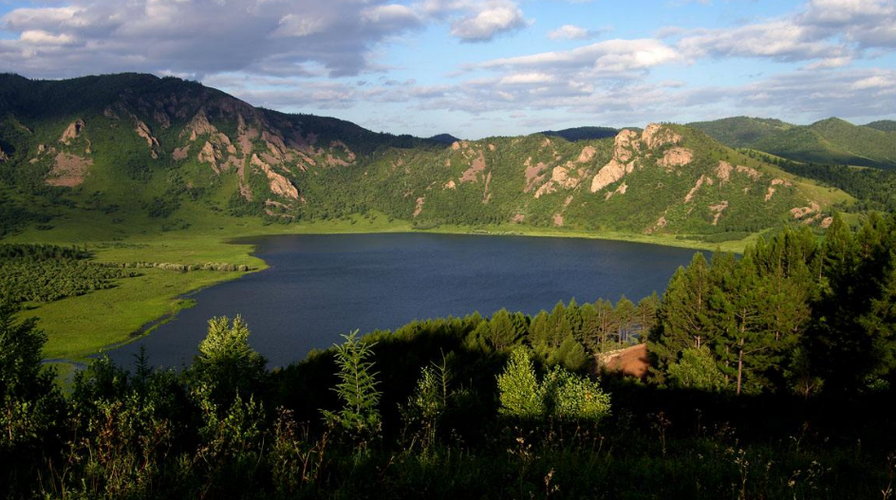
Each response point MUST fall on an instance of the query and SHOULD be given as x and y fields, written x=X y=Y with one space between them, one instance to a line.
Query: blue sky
x=476 y=68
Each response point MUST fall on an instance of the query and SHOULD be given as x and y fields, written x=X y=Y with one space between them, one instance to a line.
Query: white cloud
x=201 y=37
x=608 y=58
x=487 y=23
x=570 y=32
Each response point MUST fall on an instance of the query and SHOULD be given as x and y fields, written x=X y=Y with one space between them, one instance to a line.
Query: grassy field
x=82 y=326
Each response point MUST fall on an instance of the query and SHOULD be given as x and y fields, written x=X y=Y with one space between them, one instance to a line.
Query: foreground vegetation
x=762 y=369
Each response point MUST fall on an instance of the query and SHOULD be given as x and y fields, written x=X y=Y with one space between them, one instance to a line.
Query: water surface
x=320 y=286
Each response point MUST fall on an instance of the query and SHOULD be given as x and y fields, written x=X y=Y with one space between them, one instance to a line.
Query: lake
x=321 y=286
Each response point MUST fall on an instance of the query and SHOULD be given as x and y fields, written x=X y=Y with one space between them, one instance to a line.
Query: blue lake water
x=321 y=286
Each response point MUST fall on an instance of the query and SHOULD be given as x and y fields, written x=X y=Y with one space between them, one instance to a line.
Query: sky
x=477 y=68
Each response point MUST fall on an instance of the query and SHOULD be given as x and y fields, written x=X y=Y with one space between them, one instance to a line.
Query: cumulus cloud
x=831 y=32
x=200 y=37
x=485 y=24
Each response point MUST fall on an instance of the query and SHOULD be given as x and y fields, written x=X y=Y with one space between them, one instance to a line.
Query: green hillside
x=135 y=151
x=830 y=141
x=883 y=125
x=742 y=131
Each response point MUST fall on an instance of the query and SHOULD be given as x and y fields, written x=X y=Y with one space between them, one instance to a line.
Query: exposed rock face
x=450 y=185
x=723 y=171
x=207 y=155
x=144 y=132
x=72 y=132
x=279 y=185
x=560 y=177
x=68 y=170
x=656 y=135
x=751 y=172
x=199 y=125
x=533 y=174
x=419 y=208
x=703 y=179
x=675 y=157
x=610 y=173
x=624 y=147
x=800 y=212
x=660 y=223
x=717 y=210
x=586 y=155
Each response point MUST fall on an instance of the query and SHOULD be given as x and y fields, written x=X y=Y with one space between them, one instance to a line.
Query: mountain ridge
x=828 y=141
x=161 y=150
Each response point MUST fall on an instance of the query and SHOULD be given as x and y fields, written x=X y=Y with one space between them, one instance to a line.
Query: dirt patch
x=676 y=157
x=717 y=211
x=656 y=135
x=68 y=170
x=492 y=147
x=723 y=171
x=419 y=208
x=180 y=153
x=769 y=193
x=449 y=185
x=478 y=166
x=486 y=196
x=631 y=361
x=518 y=218
x=826 y=222
x=533 y=174
x=586 y=155
x=780 y=182
x=558 y=220
x=72 y=132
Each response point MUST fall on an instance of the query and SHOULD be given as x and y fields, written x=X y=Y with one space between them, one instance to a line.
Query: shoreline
x=196 y=246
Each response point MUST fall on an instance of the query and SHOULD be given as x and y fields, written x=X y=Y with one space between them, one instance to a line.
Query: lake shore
x=111 y=317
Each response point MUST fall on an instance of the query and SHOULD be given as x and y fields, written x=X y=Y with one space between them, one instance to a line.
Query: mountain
x=582 y=133
x=130 y=152
x=444 y=138
x=742 y=131
x=883 y=125
x=830 y=141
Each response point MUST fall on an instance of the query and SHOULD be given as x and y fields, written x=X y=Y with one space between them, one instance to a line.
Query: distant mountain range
x=830 y=141
x=134 y=150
